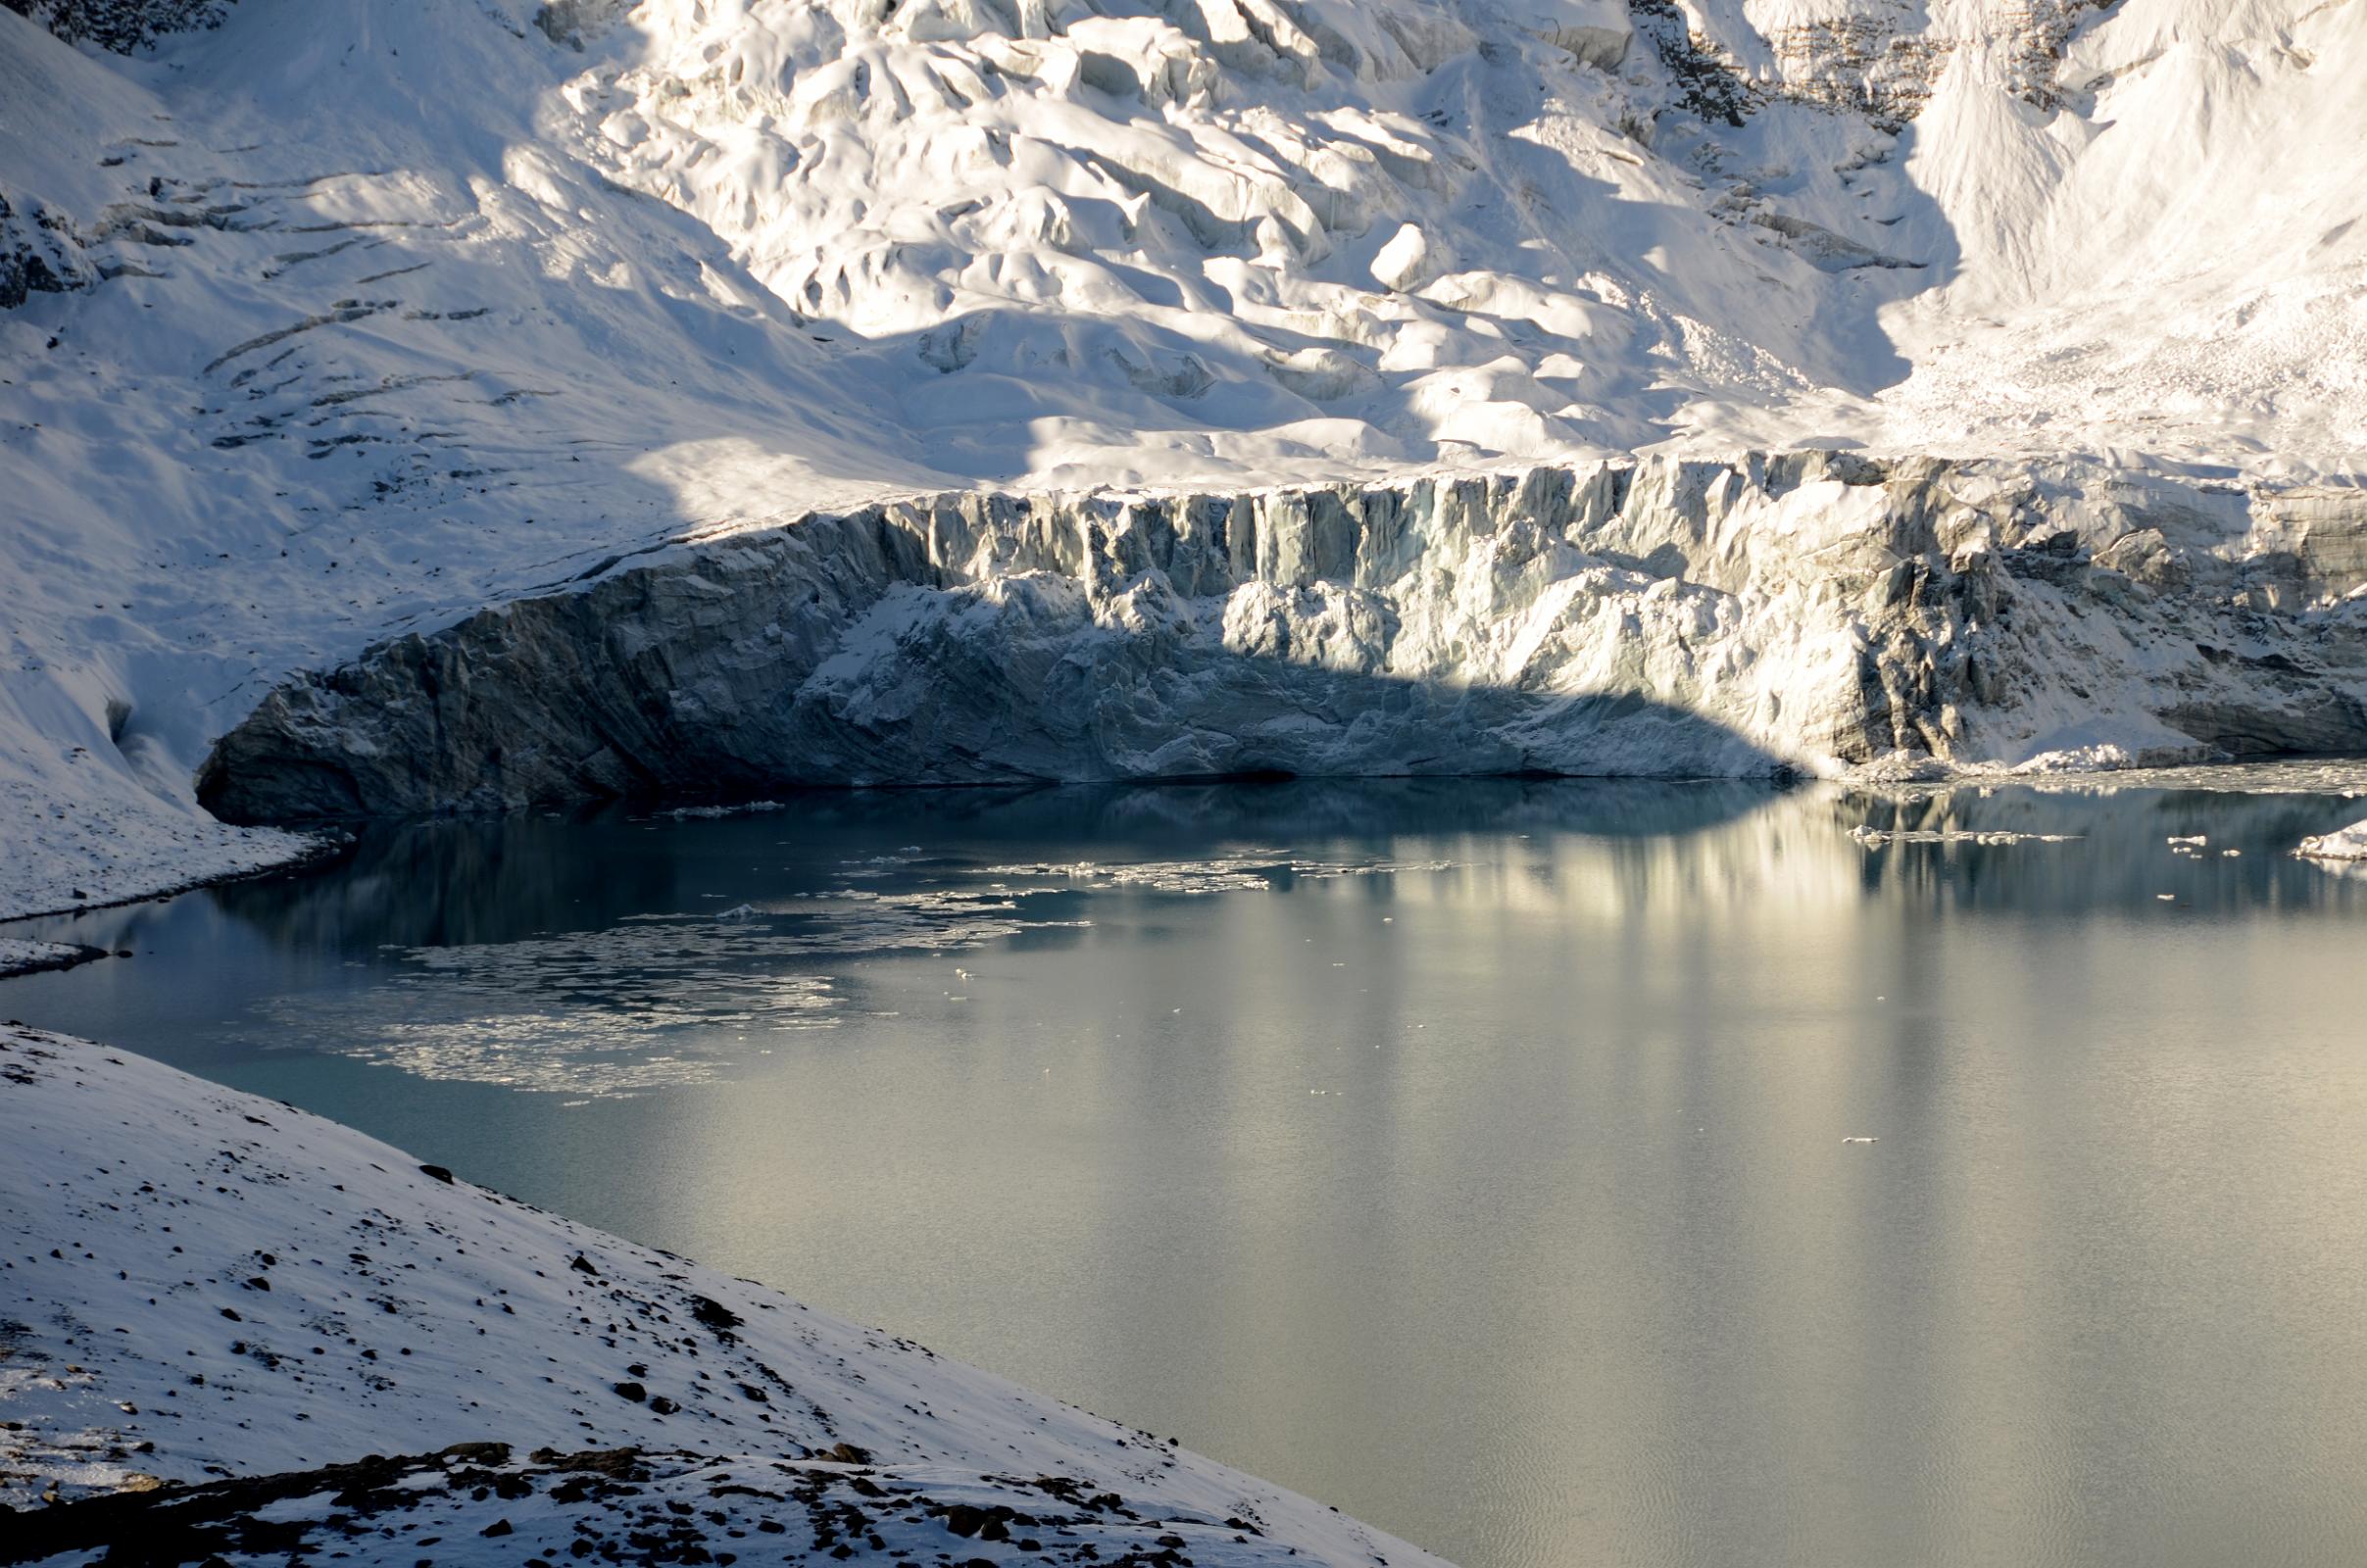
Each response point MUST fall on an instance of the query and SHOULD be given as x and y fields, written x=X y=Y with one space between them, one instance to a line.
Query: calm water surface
x=1466 y=1155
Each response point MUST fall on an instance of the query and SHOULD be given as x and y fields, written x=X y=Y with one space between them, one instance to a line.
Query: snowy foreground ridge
x=238 y=1329
x=340 y=321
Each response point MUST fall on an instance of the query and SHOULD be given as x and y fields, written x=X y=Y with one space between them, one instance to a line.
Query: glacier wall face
x=1814 y=611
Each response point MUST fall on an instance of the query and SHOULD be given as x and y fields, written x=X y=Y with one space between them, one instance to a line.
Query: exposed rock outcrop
x=1800 y=611
x=38 y=255
x=1877 y=61
x=122 y=25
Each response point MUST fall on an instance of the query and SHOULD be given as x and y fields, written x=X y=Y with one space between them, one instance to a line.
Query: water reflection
x=1467 y=1155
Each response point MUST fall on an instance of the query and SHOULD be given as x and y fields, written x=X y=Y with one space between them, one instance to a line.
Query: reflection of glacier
x=658 y=1000
x=497 y=879
x=655 y=999
x=638 y=1000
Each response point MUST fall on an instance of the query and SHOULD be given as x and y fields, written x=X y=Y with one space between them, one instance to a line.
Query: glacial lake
x=1472 y=1155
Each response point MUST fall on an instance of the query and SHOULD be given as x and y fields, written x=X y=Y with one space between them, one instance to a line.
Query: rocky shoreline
x=19 y=955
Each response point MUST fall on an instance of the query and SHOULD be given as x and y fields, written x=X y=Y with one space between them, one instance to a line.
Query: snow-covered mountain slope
x=1223 y=226
x=351 y=351
x=2163 y=261
x=223 y=1315
x=342 y=318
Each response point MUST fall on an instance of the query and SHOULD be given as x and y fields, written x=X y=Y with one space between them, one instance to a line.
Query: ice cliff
x=1808 y=611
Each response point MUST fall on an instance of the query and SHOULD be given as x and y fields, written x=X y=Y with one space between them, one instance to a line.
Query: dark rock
x=714 y=1314
x=618 y=1464
x=484 y=1454
x=177 y=1523
x=122 y=25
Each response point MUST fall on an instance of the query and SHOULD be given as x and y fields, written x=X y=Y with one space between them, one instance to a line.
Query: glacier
x=1806 y=613
x=328 y=327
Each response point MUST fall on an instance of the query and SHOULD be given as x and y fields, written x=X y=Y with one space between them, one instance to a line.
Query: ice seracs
x=1810 y=612
x=658 y=272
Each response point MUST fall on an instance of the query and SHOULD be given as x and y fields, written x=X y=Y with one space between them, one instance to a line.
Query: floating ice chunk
x=688 y=813
x=740 y=912
x=1874 y=838
x=1861 y=1140
x=2344 y=844
x=1254 y=871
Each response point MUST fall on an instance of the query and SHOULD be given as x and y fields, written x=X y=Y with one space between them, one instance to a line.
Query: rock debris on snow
x=239 y=1330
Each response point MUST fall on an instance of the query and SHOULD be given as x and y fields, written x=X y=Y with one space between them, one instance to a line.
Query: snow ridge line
x=231 y=1311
